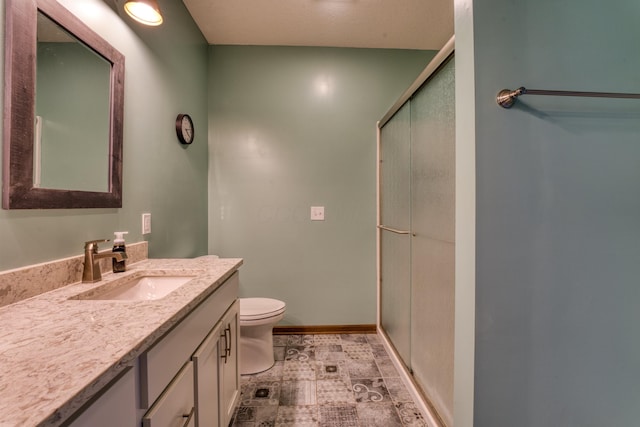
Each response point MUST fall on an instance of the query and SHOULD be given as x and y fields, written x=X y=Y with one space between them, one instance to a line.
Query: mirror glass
x=71 y=139
x=63 y=111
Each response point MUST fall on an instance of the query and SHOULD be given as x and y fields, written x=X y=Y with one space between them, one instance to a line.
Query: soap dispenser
x=118 y=246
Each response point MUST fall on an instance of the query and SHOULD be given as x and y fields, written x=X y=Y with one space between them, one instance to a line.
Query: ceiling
x=395 y=24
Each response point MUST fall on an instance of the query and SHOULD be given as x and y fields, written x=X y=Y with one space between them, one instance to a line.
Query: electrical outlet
x=317 y=213
x=146 y=223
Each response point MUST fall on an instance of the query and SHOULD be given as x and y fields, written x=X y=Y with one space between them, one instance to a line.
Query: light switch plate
x=317 y=213
x=146 y=223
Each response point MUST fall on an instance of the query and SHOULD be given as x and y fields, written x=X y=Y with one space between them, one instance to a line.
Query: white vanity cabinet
x=217 y=374
x=191 y=375
x=188 y=378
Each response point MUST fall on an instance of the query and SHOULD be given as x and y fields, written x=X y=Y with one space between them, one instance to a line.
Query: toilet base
x=256 y=349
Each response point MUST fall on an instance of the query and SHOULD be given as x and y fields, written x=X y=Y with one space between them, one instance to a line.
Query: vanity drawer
x=161 y=362
x=175 y=407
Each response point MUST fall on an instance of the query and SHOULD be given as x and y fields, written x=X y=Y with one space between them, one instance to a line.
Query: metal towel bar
x=507 y=97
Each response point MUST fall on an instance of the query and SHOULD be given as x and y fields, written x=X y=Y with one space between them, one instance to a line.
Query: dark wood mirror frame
x=18 y=191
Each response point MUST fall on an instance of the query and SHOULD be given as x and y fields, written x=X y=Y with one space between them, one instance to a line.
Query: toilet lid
x=259 y=308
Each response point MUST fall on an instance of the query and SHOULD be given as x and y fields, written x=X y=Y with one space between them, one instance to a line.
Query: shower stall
x=416 y=240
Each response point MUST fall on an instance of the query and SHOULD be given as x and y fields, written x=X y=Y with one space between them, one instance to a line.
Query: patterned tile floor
x=327 y=381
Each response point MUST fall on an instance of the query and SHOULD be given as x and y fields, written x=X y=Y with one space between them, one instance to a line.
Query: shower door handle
x=394 y=230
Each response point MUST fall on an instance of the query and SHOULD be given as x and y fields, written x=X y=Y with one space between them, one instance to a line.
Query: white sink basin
x=141 y=286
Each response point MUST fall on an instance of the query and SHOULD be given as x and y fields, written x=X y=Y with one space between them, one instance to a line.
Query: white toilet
x=258 y=316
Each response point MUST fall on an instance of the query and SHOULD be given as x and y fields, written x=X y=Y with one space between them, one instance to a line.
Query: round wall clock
x=184 y=128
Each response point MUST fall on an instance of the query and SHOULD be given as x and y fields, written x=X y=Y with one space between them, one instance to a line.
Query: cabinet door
x=206 y=363
x=229 y=369
x=175 y=406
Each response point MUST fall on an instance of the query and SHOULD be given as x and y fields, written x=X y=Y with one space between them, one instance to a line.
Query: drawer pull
x=188 y=417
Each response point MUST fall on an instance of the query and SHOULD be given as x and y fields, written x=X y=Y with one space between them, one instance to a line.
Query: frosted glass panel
x=417 y=191
x=395 y=194
x=433 y=195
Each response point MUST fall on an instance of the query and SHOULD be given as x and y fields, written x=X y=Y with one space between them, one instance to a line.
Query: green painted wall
x=291 y=128
x=166 y=74
x=558 y=213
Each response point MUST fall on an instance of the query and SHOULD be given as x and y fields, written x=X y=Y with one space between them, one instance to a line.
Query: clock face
x=184 y=129
x=187 y=128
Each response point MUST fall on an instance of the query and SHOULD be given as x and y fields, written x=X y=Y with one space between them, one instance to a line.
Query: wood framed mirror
x=92 y=126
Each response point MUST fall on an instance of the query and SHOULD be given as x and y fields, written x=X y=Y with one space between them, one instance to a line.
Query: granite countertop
x=56 y=352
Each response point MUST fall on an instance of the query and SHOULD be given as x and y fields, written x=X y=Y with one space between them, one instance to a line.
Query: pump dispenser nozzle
x=119 y=236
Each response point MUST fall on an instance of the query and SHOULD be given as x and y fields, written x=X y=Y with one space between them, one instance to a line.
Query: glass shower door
x=417 y=197
x=395 y=248
x=433 y=243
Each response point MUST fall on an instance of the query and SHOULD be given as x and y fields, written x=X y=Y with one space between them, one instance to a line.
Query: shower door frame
x=434 y=65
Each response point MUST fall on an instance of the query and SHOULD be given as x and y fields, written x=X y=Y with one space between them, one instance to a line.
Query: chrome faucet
x=91 y=271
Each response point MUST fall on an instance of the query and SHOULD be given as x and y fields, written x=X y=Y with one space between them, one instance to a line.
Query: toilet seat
x=260 y=308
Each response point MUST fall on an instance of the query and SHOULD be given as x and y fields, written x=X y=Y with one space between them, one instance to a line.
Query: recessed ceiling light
x=146 y=12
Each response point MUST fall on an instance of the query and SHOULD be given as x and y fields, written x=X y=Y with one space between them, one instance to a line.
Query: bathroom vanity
x=79 y=356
